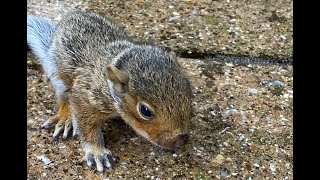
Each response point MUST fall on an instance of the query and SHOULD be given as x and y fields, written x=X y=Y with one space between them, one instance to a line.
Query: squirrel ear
x=119 y=80
x=116 y=75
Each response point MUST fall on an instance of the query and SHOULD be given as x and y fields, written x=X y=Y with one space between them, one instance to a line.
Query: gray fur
x=39 y=32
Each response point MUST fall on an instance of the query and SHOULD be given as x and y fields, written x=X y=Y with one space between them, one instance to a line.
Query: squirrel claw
x=75 y=132
x=67 y=128
x=75 y=136
x=90 y=160
x=102 y=159
x=61 y=124
x=50 y=122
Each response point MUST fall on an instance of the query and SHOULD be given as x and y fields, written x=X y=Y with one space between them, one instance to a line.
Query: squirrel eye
x=145 y=112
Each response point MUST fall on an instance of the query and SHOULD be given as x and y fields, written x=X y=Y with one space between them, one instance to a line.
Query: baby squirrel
x=99 y=73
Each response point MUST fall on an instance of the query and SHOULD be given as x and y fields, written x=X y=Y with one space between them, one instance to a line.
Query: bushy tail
x=39 y=31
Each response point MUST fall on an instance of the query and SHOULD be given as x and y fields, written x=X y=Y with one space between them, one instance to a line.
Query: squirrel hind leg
x=61 y=121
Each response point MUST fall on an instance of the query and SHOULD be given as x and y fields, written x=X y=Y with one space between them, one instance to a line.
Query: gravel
x=241 y=127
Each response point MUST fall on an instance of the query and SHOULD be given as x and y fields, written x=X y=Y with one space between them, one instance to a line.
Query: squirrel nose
x=181 y=140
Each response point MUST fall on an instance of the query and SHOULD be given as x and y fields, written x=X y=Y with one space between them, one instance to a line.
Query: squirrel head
x=152 y=94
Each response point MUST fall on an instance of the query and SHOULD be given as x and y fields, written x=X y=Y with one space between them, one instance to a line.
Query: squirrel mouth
x=176 y=143
x=163 y=139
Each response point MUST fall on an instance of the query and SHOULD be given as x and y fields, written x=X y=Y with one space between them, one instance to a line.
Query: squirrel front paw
x=100 y=156
x=62 y=123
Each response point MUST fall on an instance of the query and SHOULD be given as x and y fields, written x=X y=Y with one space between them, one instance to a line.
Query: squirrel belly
x=98 y=72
